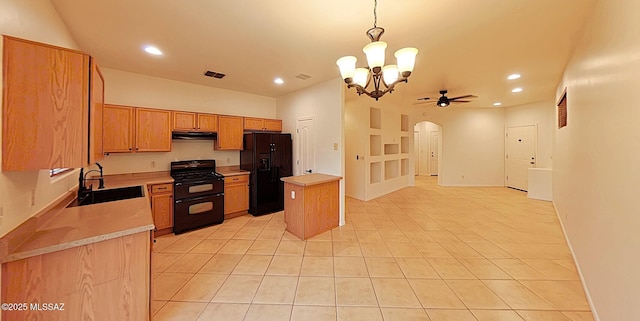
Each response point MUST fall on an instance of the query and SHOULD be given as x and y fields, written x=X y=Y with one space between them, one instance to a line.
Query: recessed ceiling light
x=513 y=76
x=497 y=104
x=153 y=50
x=278 y=81
x=516 y=90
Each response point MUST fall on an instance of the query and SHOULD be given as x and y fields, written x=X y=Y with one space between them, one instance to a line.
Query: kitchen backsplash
x=120 y=163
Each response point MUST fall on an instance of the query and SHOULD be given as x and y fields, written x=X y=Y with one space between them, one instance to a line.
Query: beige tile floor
x=422 y=253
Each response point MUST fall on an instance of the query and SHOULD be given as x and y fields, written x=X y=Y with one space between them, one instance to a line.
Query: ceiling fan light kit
x=377 y=72
x=445 y=101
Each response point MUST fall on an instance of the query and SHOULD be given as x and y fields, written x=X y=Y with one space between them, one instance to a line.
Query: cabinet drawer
x=237 y=179
x=161 y=188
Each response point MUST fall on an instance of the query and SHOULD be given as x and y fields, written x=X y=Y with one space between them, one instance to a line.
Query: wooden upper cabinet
x=45 y=104
x=186 y=121
x=273 y=125
x=183 y=121
x=153 y=130
x=262 y=124
x=230 y=133
x=96 y=111
x=118 y=123
x=208 y=122
x=253 y=123
x=129 y=129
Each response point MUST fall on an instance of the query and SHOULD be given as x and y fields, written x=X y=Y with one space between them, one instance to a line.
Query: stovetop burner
x=195 y=170
x=194 y=175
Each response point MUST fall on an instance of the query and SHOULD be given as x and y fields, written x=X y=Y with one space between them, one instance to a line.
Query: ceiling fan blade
x=422 y=102
x=424 y=98
x=461 y=101
x=465 y=96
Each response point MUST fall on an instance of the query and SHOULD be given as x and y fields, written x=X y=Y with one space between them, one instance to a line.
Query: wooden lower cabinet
x=161 y=196
x=107 y=280
x=236 y=195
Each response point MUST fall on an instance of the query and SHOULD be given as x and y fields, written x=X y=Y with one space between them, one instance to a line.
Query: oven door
x=193 y=213
x=190 y=189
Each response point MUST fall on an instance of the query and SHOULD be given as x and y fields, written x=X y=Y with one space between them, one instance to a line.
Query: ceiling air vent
x=214 y=74
x=303 y=76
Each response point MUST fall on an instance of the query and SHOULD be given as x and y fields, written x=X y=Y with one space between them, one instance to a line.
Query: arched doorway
x=427 y=148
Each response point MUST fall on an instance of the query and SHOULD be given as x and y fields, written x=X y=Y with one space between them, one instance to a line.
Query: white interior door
x=305 y=130
x=520 y=155
x=433 y=153
x=416 y=151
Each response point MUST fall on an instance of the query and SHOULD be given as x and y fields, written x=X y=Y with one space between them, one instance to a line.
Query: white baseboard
x=575 y=260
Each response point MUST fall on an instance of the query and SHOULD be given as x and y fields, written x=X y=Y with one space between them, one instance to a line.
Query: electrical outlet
x=335 y=146
x=293 y=195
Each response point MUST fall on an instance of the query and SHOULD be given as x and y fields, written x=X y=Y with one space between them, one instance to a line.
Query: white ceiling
x=465 y=46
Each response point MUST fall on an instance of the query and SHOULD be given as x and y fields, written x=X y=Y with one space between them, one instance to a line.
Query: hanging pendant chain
x=375 y=14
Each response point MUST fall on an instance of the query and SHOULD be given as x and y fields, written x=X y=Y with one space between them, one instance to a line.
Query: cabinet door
x=207 y=122
x=236 y=198
x=118 y=129
x=229 y=133
x=162 y=209
x=96 y=103
x=273 y=125
x=45 y=101
x=184 y=121
x=253 y=123
x=153 y=130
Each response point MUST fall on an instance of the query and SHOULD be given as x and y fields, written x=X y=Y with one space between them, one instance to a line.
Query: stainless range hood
x=194 y=135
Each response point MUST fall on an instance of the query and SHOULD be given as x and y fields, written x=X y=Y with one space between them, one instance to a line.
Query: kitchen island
x=311 y=204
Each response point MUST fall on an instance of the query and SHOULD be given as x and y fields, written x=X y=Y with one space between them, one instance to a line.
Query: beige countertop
x=310 y=179
x=231 y=170
x=60 y=228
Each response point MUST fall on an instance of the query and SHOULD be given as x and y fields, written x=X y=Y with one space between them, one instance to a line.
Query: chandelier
x=377 y=72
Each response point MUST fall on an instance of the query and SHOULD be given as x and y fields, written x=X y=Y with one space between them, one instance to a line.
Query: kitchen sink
x=109 y=195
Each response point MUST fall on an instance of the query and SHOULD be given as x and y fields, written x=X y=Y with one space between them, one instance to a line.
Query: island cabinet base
x=107 y=280
x=312 y=209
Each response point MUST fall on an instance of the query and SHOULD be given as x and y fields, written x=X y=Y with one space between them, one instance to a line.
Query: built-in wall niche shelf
x=375 y=118
x=404 y=123
x=375 y=142
x=404 y=145
x=390 y=169
x=390 y=149
x=376 y=173
x=404 y=167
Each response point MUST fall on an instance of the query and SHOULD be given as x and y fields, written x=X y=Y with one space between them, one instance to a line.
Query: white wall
x=596 y=159
x=541 y=114
x=358 y=122
x=472 y=144
x=424 y=129
x=356 y=127
x=125 y=88
x=23 y=194
x=325 y=102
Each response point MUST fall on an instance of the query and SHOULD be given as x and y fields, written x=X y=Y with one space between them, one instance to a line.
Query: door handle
x=532 y=163
x=308 y=171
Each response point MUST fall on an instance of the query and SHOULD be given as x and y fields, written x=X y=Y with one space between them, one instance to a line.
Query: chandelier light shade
x=384 y=78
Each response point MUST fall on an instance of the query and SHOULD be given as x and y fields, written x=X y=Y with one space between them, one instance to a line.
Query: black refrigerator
x=267 y=157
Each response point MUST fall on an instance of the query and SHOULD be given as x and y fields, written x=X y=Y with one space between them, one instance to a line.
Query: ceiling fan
x=444 y=101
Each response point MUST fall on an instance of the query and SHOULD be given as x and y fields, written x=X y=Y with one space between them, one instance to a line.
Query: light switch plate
x=293 y=195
